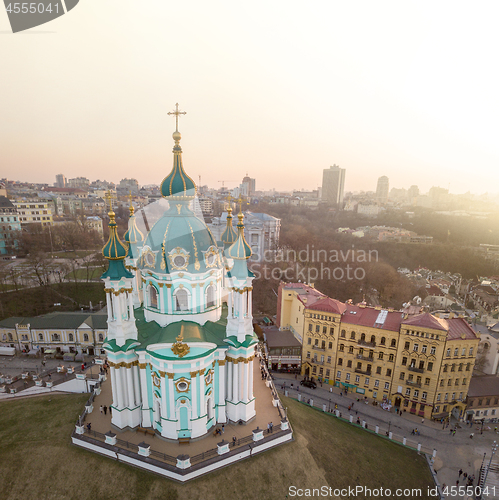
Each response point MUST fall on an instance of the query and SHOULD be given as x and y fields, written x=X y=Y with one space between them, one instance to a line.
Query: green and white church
x=180 y=338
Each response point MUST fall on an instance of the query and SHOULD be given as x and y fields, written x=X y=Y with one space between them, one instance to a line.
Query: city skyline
x=401 y=90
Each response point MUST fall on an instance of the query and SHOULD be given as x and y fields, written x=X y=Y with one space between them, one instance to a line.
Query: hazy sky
x=278 y=89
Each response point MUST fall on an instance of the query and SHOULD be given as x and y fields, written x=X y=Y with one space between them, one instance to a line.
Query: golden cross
x=109 y=198
x=176 y=113
x=240 y=201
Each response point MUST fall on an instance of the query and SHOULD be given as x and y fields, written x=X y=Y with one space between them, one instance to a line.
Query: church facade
x=180 y=340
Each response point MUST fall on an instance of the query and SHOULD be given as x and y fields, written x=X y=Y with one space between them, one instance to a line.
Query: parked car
x=308 y=383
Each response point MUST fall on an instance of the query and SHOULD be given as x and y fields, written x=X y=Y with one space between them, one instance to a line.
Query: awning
x=50 y=351
x=33 y=352
x=470 y=412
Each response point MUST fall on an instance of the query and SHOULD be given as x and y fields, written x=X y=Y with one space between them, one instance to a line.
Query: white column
x=161 y=299
x=243 y=303
x=130 y=305
x=241 y=381
x=235 y=383
x=229 y=381
x=250 y=304
x=129 y=381
x=169 y=299
x=194 y=300
x=109 y=300
x=230 y=304
x=164 y=406
x=250 y=380
x=119 y=389
x=221 y=384
x=136 y=384
x=113 y=386
x=194 y=396
x=245 y=381
x=202 y=401
x=143 y=387
x=171 y=399
x=117 y=308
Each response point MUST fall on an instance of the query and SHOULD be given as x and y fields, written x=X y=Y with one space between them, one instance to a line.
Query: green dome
x=229 y=236
x=240 y=249
x=133 y=234
x=178 y=183
x=179 y=241
x=114 y=249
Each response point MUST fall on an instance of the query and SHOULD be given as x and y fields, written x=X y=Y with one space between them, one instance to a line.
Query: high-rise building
x=248 y=186
x=413 y=192
x=60 y=181
x=382 y=189
x=333 y=183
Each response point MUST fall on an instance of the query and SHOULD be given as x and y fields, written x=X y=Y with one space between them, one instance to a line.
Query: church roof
x=327 y=304
x=240 y=248
x=229 y=236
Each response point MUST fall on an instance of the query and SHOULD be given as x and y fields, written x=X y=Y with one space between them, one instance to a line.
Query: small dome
x=240 y=249
x=114 y=249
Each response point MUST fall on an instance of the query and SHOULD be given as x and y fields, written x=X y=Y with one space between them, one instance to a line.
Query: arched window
x=210 y=296
x=383 y=341
x=153 y=297
x=343 y=333
x=352 y=335
x=40 y=336
x=10 y=336
x=394 y=343
x=363 y=337
x=85 y=337
x=101 y=337
x=182 y=300
x=373 y=339
x=70 y=337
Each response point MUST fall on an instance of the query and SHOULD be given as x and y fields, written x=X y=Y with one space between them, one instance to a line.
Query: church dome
x=180 y=241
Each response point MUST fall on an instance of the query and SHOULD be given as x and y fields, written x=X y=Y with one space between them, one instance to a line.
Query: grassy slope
x=38 y=461
x=40 y=300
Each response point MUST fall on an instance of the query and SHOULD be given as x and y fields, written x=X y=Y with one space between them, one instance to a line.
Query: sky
x=277 y=89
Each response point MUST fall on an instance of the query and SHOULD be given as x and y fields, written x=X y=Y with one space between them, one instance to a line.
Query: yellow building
x=420 y=363
x=34 y=212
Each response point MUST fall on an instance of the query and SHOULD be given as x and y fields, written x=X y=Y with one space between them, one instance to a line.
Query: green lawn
x=74 y=255
x=81 y=274
x=39 y=461
x=41 y=300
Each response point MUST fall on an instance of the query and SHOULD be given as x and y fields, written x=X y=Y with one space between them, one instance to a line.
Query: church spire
x=114 y=250
x=133 y=234
x=229 y=235
x=177 y=183
x=240 y=249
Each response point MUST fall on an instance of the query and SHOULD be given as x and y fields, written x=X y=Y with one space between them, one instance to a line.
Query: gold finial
x=109 y=198
x=176 y=113
x=229 y=208
x=131 y=206
x=240 y=201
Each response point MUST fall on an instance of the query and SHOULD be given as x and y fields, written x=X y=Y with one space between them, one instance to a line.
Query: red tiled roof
x=487 y=385
x=458 y=327
x=434 y=290
x=327 y=304
x=427 y=320
x=370 y=317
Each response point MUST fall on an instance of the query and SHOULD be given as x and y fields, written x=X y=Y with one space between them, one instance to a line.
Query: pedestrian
x=268 y=428
x=223 y=428
x=422 y=420
x=413 y=432
x=101 y=409
x=450 y=430
x=105 y=410
x=296 y=376
x=457 y=483
x=330 y=389
x=465 y=475
x=460 y=472
x=110 y=412
x=341 y=393
x=234 y=440
x=271 y=427
x=453 y=432
x=82 y=367
x=89 y=427
x=471 y=435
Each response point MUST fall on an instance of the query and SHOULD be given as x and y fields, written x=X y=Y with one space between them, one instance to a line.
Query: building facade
x=333 y=184
x=10 y=227
x=420 y=363
x=34 y=212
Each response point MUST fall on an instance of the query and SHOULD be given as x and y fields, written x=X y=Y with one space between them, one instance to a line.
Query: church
x=180 y=340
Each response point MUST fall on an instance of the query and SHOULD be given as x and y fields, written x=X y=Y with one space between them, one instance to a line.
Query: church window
x=210 y=296
x=179 y=260
x=153 y=297
x=70 y=337
x=85 y=337
x=182 y=300
x=101 y=337
x=40 y=336
x=10 y=336
x=394 y=343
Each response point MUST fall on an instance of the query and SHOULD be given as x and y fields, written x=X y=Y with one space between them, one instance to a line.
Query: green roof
x=58 y=321
x=178 y=183
x=114 y=248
